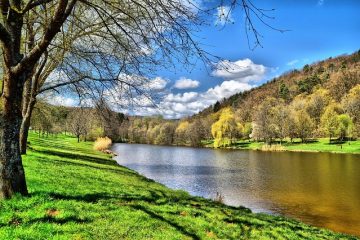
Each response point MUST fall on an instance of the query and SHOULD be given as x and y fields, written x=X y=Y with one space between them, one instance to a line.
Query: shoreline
x=254 y=149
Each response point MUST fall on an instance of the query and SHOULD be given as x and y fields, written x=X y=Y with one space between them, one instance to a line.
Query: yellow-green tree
x=330 y=120
x=304 y=124
x=180 y=132
x=345 y=126
x=224 y=129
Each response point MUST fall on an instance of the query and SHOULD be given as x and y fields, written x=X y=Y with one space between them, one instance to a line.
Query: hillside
x=338 y=75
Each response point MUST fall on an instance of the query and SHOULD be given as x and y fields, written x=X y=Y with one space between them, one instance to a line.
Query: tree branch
x=62 y=11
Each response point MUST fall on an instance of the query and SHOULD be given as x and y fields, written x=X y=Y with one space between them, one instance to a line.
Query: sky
x=317 y=29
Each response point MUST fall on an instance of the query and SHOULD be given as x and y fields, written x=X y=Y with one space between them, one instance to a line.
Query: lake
x=321 y=189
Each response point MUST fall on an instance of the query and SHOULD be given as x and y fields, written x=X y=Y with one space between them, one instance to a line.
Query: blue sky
x=318 y=29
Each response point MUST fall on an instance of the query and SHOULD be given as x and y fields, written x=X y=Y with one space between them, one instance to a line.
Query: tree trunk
x=12 y=174
x=25 y=125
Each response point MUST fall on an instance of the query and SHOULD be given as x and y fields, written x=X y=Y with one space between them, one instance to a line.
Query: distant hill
x=338 y=75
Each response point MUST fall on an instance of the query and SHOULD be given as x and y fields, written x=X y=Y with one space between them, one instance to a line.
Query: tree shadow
x=241 y=144
x=78 y=157
x=154 y=197
x=46 y=219
x=50 y=219
x=163 y=219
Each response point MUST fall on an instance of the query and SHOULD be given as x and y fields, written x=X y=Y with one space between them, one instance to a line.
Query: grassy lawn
x=76 y=193
x=319 y=145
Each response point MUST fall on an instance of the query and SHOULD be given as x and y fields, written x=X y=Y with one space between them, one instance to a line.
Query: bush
x=272 y=148
x=102 y=143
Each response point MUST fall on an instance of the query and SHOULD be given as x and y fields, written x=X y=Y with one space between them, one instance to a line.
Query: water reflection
x=322 y=189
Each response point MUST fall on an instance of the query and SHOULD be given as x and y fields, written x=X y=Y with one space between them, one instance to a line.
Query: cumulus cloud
x=176 y=106
x=158 y=83
x=185 y=83
x=242 y=70
x=223 y=15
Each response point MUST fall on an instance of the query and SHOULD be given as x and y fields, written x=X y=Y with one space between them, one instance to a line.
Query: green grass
x=77 y=193
x=319 y=145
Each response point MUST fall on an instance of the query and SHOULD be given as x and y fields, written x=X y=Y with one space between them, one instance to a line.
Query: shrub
x=275 y=148
x=102 y=143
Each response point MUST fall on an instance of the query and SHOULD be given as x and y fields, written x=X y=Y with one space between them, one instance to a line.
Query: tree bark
x=25 y=125
x=12 y=174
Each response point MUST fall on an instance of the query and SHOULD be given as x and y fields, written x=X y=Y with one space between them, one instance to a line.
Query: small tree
x=330 y=121
x=304 y=125
x=224 y=129
x=345 y=126
x=78 y=123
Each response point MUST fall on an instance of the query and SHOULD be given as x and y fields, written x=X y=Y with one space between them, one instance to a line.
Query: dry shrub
x=272 y=148
x=102 y=143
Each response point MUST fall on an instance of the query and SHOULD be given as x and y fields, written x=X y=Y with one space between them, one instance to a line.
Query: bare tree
x=78 y=123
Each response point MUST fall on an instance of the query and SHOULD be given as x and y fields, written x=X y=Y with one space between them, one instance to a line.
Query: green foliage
x=217 y=107
x=283 y=91
x=306 y=85
x=330 y=121
x=307 y=68
x=345 y=126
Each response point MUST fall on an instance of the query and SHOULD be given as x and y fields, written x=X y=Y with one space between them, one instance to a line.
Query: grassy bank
x=77 y=193
x=319 y=145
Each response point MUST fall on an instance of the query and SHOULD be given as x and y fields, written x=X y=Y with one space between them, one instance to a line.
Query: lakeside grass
x=78 y=193
x=318 y=145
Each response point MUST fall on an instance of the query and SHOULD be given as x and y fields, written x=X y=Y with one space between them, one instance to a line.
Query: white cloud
x=185 y=83
x=180 y=105
x=60 y=100
x=292 y=62
x=242 y=70
x=184 y=98
x=157 y=83
x=223 y=15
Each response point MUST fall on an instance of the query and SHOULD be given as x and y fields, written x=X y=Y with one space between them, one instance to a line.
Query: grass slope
x=76 y=193
x=320 y=145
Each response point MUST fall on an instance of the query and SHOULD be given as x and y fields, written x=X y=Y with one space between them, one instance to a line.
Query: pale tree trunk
x=12 y=174
x=25 y=125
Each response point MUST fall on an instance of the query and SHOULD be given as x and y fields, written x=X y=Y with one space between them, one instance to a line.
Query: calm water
x=321 y=189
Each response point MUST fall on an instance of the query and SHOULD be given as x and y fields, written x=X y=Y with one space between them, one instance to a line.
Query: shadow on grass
x=50 y=219
x=154 y=215
x=241 y=144
x=81 y=157
x=47 y=219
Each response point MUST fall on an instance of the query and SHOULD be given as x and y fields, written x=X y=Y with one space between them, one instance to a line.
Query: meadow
x=76 y=192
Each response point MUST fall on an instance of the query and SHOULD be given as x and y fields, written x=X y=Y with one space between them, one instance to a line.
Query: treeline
x=83 y=122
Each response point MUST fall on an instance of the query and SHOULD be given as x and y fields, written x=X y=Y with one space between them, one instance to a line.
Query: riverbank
x=77 y=193
x=318 y=145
